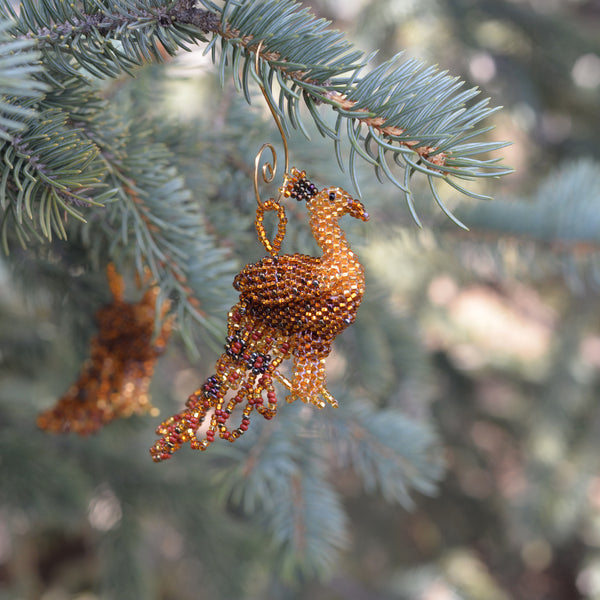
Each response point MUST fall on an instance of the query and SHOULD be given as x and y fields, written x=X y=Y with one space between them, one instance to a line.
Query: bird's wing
x=277 y=280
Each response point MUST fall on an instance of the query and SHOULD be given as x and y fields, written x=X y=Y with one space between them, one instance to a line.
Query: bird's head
x=332 y=200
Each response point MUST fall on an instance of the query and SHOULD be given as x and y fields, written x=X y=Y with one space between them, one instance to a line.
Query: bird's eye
x=332 y=196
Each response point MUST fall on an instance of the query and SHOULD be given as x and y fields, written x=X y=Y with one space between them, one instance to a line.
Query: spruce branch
x=47 y=171
x=563 y=212
x=403 y=115
x=157 y=223
x=552 y=233
x=388 y=451
x=278 y=474
x=86 y=32
x=76 y=157
x=19 y=88
x=402 y=118
x=282 y=481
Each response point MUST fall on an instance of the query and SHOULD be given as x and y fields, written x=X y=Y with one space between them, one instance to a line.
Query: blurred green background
x=492 y=336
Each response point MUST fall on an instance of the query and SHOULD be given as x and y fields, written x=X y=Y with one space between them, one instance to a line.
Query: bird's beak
x=356 y=209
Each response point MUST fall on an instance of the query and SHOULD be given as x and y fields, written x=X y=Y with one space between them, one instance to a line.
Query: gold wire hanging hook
x=268 y=169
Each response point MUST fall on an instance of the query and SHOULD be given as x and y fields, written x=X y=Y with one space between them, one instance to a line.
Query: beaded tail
x=244 y=376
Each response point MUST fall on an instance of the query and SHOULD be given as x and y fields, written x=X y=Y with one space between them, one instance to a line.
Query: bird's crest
x=295 y=185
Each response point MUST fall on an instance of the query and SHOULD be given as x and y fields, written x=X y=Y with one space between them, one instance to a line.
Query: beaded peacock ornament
x=291 y=306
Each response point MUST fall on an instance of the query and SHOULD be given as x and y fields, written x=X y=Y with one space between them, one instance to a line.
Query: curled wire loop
x=271 y=247
x=268 y=170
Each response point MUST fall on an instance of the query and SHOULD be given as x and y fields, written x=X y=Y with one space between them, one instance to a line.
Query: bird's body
x=291 y=305
x=300 y=293
x=294 y=293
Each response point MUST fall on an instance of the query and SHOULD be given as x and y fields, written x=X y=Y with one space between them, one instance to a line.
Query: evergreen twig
x=18 y=66
x=402 y=115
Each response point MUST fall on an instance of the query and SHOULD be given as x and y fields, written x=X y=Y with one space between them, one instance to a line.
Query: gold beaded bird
x=290 y=306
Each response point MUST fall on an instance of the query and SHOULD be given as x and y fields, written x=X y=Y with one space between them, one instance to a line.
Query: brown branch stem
x=339 y=100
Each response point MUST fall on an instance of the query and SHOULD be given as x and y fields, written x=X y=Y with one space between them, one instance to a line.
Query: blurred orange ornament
x=115 y=380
